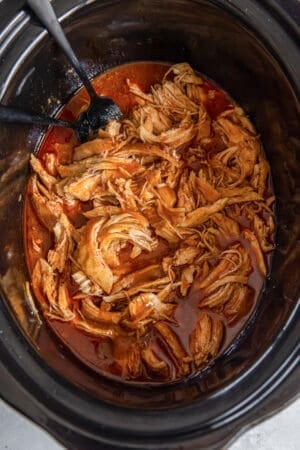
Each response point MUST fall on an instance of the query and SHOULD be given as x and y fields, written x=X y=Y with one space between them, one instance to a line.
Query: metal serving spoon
x=100 y=110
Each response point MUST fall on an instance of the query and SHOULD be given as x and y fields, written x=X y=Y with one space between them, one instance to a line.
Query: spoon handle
x=13 y=115
x=45 y=13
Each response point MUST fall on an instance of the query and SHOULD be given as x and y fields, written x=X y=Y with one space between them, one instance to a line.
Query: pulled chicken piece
x=47 y=205
x=149 y=305
x=154 y=364
x=90 y=258
x=64 y=236
x=206 y=339
x=46 y=281
x=175 y=346
x=93 y=312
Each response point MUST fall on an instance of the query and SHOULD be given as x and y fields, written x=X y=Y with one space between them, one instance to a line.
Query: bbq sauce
x=100 y=354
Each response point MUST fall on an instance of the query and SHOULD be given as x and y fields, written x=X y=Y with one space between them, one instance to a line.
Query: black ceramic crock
x=250 y=48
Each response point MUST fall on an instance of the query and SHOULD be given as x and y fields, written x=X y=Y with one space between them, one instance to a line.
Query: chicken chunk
x=149 y=305
x=154 y=363
x=206 y=338
x=64 y=234
x=260 y=260
x=48 y=207
x=47 y=179
x=90 y=259
x=175 y=346
x=201 y=215
x=93 y=312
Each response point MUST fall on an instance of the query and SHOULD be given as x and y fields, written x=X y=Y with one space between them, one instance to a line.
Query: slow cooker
x=251 y=49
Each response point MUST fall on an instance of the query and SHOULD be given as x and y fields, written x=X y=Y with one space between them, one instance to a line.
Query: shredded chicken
x=175 y=346
x=166 y=207
x=206 y=338
x=154 y=363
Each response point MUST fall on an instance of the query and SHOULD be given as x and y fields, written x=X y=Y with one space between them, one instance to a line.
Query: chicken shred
x=206 y=338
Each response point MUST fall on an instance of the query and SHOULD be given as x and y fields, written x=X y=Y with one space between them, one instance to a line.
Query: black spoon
x=101 y=109
x=14 y=115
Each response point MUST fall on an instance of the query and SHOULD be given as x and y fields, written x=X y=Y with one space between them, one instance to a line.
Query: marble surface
x=280 y=432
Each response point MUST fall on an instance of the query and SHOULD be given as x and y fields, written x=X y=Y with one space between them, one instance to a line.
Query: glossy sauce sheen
x=99 y=354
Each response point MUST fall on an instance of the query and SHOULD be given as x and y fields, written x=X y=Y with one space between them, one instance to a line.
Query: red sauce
x=217 y=100
x=100 y=354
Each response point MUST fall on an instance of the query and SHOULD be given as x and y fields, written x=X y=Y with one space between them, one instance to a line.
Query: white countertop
x=280 y=432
